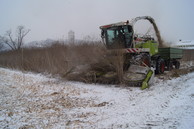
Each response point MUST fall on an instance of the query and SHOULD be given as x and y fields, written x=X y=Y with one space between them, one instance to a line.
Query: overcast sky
x=54 y=18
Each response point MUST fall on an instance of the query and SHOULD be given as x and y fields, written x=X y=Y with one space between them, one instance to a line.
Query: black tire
x=160 y=66
x=177 y=65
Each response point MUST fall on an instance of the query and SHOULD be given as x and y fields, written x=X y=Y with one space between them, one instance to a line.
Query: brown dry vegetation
x=81 y=62
x=84 y=62
x=57 y=59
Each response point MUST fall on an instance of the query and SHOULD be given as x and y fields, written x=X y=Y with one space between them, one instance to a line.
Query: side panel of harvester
x=153 y=47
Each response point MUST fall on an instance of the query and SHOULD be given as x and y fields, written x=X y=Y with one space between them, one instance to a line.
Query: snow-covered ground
x=30 y=100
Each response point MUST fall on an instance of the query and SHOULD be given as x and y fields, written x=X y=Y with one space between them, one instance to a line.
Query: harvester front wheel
x=160 y=66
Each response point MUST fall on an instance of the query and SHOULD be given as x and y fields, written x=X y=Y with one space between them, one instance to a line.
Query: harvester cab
x=118 y=35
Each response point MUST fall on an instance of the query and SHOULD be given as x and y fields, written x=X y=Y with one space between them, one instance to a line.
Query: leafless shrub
x=118 y=62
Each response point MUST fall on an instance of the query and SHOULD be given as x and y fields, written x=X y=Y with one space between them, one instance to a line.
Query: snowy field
x=30 y=100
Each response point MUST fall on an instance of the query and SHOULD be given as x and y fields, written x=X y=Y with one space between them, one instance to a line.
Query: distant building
x=71 y=36
x=185 y=44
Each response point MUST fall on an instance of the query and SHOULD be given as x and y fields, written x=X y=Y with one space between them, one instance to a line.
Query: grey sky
x=54 y=18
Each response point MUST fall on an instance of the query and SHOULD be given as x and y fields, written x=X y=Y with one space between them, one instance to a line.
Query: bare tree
x=17 y=42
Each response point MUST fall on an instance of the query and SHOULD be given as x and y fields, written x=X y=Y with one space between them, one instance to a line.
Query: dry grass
x=57 y=59
x=84 y=62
